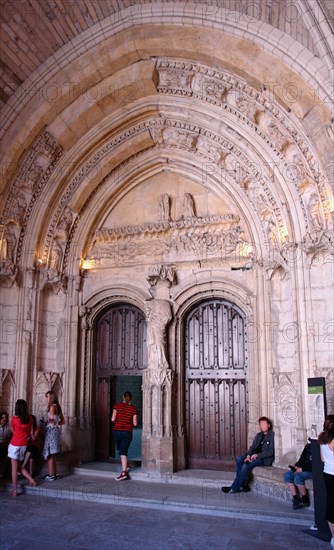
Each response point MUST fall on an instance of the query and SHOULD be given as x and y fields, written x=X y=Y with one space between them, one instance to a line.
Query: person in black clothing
x=260 y=453
x=296 y=477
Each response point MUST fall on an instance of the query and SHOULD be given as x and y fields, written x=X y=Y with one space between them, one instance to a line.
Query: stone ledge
x=269 y=481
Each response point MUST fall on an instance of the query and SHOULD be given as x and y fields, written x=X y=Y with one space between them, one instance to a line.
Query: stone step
x=267 y=482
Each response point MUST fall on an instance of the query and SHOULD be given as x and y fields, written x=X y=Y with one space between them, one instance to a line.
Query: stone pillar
x=157 y=438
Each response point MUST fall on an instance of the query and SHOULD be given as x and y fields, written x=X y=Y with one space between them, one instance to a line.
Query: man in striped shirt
x=124 y=416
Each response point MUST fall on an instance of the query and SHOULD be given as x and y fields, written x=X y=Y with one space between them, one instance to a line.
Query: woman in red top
x=22 y=427
x=124 y=416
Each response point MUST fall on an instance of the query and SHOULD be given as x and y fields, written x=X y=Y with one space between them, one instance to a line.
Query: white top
x=328 y=455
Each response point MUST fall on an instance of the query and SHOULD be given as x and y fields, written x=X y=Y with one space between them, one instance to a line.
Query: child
x=31 y=453
x=21 y=426
x=52 y=434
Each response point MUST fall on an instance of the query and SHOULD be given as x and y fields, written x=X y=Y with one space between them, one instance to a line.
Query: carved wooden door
x=120 y=353
x=216 y=384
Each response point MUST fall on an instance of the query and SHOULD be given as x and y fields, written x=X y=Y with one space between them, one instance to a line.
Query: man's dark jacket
x=305 y=460
x=263 y=446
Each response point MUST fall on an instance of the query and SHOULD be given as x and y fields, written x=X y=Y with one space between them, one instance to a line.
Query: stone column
x=157 y=438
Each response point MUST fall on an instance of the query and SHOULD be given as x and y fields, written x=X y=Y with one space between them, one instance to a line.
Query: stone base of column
x=157 y=455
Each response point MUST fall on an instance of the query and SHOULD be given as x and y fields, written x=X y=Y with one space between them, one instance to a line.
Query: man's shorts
x=122 y=440
x=16 y=452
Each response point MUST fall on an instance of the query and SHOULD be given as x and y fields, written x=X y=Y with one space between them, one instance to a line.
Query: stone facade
x=185 y=154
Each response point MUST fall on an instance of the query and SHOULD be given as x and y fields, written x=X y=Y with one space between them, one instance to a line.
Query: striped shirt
x=124 y=417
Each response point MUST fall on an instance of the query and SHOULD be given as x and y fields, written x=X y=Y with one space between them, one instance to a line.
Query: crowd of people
x=21 y=445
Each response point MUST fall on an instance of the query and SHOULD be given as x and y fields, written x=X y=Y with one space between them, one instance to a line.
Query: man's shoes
x=122 y=475
x=296 y=502
x=229 y=490
x=246 y=488
x=56 y=476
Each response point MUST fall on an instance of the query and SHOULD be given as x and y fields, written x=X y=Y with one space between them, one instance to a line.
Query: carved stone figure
x=9 y=245
x=65 y=221
x=18 y=208
x=314 y=214
x=158 y=313
x=164 y=215
x=188 y=206
x=56 y=256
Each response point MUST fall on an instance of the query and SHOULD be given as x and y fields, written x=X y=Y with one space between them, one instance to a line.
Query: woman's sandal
x=34 y=484
x=13 y=493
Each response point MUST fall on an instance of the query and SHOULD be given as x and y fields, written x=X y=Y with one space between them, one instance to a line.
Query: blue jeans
x=243 y=468
x=297 y=479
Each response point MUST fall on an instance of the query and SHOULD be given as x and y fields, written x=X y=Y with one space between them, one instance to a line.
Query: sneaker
x=56 y=476
x=47 y=477
x=226 y=489
x=122 y=475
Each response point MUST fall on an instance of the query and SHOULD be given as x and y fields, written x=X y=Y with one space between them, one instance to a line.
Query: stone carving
x=162 y=272
x=158 y=314
x=64 y=224
x=164 y=208
x=189 y=238
x=267 y=124
x=8 y=245
x=174 y=78
x=172 y=137
x=319 y=242
x=205 y=148
x=188 y=206
x=314 y=213
x=212 y=88
x=8 y=269
x=56 y=257
x=17 y=209
x=247 y=106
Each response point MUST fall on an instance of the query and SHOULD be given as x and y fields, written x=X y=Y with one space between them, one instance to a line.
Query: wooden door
x=120 y=336
x=216 y=384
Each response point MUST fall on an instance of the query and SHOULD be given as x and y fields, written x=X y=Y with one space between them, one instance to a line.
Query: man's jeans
x=242 y=471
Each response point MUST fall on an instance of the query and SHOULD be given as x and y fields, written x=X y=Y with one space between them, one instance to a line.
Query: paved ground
x=92 y=512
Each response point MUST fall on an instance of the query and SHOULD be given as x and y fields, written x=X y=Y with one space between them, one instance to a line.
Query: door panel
x=102 y=417
x=215 y=357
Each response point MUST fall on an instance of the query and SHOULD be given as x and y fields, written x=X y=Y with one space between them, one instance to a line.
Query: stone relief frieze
x=188 y=238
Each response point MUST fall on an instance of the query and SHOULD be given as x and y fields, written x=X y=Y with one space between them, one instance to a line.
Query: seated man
x=296 y=477
x=260 y=453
